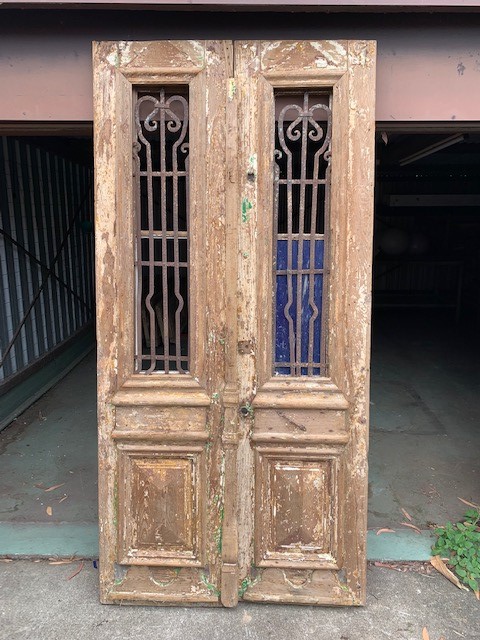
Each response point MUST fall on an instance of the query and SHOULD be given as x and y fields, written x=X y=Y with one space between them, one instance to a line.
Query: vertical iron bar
x=138 y=245
x=163 y=199
x=187 y=226
x=311 y=290
x=326 y=247
x=151 y=249
x=176 y=268
x=291 y=330
x=301 y=223
x=276 y=201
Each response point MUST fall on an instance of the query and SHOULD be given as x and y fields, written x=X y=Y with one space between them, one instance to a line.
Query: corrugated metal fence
x=46 y=252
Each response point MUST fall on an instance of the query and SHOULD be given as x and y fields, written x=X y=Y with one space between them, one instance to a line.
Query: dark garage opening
x=425 y=398
x=47 y=345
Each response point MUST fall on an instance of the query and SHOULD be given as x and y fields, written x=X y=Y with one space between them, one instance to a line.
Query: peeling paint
x=232 y=88
x=246 y=206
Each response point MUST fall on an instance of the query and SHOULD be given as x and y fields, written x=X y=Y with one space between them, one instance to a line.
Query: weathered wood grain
x=230 y=482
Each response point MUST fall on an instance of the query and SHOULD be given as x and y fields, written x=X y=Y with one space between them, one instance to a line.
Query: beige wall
x=428 y=65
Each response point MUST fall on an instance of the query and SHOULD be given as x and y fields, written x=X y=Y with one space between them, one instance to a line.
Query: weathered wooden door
x=234 y=187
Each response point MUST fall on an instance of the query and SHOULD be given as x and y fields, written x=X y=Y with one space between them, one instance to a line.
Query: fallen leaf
x=477 y=594
x=442 y=568
x=412 y=526
x=49 y=510
x=55 y=486
x=6 y=560
x=386 y=565
x=47 y=489
x=407 y=515
x=75 y=573
x=425 y=634
x=469 y=504
x=385 y=530
x=61 y=562
x=62 y=499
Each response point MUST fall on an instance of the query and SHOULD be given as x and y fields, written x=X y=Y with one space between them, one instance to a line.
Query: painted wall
x=428 y=65
x=46 y=207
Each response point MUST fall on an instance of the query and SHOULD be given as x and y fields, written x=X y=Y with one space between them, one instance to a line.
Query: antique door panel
x=305 y=136
x=233 y=402
x=160 y=145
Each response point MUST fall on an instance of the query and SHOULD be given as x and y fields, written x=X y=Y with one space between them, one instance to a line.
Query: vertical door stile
x=230 y=435
x=247 y=281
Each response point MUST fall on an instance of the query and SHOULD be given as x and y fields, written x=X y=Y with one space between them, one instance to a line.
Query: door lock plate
x=245 y=347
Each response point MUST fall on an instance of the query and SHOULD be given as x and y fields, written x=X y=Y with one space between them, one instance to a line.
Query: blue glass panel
x=283 y=312
x=282 y=254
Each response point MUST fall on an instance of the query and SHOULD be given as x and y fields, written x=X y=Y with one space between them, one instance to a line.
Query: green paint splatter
x=218 y=539
x=245 y=584
x=115 y=504
x=246 y=206
x=210 y=586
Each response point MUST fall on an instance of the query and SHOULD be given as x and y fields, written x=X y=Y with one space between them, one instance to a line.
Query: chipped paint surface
x=232 y=88
x=265 y=503
x=252 y=166
x=246 y=206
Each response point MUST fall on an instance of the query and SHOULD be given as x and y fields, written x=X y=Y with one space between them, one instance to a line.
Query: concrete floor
x=425 y=419
x=45 y=605
x=52 y=443
x=425 y=438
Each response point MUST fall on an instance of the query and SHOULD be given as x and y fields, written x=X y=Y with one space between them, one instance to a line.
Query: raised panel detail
x=159 y=516
x=169 y=419
x=296 y=517
x=300 y=493
x=303 y=426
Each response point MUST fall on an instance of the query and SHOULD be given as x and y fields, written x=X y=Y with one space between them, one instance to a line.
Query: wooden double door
x=234 y=192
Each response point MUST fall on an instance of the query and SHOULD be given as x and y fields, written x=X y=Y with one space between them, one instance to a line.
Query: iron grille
x=162 y=252
x=303 y=130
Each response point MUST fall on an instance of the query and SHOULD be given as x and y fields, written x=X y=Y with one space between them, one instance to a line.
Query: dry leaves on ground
x=385 y=530
x=424 y=568
x=411 y=526
x=77 y=571
x=407 y=515
x=469 y=504
x=47 y=489
x=442 y=568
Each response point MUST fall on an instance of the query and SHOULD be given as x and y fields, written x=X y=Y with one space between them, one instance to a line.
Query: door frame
x=230 y=376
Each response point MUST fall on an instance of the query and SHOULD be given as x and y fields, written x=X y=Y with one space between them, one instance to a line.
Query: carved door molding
x=234 y=197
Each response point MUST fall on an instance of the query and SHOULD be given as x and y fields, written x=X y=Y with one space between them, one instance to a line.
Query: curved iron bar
x=304 y=126
x=171 y=122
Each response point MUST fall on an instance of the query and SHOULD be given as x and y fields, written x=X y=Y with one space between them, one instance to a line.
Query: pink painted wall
x=428 y=67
